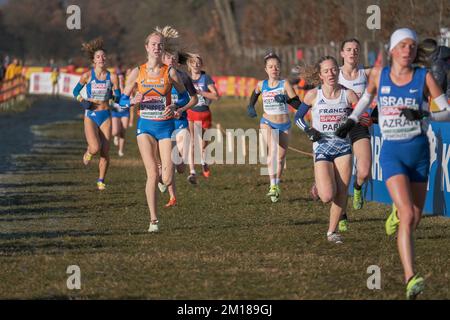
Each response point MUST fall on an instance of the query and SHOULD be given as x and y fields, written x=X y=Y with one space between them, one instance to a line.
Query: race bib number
x=152 y=108
x=394 y=126
x=271 y=105
x=100 y=91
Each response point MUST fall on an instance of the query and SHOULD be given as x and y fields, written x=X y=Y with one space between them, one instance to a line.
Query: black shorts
x=359 y=132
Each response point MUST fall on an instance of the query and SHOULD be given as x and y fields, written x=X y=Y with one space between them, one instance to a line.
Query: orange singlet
x=156 y=93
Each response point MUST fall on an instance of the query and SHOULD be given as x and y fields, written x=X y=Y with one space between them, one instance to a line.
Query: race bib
x=396 y=127
x=152 y=108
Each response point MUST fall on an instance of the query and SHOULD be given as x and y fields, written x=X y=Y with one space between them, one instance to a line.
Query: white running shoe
x=153 y=226
x=121 y=154
x=335 y=238
x=162 y=187
x=116 y=140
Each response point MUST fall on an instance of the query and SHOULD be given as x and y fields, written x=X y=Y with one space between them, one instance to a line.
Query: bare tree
x=224 y=8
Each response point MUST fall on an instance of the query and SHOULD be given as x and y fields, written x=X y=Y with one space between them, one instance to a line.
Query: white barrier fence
x=41 y=83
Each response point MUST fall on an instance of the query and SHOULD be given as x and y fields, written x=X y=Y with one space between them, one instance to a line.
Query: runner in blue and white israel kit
x=405 y=157
x=400 y=135
x=275 y=123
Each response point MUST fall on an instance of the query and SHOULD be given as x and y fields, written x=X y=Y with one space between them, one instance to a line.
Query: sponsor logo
x=320 y=156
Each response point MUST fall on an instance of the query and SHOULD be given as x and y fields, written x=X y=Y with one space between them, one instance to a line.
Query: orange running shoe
x=172 y=203
x=205 y=170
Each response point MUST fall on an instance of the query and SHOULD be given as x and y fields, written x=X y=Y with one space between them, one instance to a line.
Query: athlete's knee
x=152 y=175
x=327 y=196
x=363 y=171
x=104 y=151
x=167 y=180
x=94 y=149
x=407 y=218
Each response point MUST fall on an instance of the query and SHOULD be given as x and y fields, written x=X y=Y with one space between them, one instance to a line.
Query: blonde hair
x=91 y=47
x=169 y=36
x=191 y=57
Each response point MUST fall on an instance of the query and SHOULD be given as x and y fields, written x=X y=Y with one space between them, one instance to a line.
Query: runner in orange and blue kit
x=155 y=125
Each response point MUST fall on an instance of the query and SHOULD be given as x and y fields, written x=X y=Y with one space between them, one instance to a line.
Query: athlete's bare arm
x=213 y=94
x=310 y=97
x=131 y=81
x=432 y=89
x=352 y=98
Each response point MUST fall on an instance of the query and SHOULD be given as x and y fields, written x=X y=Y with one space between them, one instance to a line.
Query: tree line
x=218 y=29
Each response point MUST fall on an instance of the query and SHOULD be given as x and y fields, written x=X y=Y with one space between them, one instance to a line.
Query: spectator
x=54 y=79
x=18 y=68
x=437 y=60
x=6 y=61
x=11 y=70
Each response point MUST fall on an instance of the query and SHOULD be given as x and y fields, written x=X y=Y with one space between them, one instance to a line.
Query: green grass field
x=224 y=240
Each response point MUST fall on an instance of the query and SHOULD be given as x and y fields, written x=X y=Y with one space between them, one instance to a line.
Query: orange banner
x=12 y=88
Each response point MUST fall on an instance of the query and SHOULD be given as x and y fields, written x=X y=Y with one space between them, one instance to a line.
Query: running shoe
x=153 y=226
x=335 y=238
x=392 y=222
x=87 y=157
x=101 y=185
x=414 y=287
x=162 y=187
x=172 y=203
x=116 y=140
x=274 y=193
x=120 y=153
x=314 y=193
x=343 y=225
x=358 y=200
x=205 y=170
x=192 y=178
x=180 y=168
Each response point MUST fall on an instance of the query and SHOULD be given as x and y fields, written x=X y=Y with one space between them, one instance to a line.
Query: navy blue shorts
x=408 y=157
x=330 y=149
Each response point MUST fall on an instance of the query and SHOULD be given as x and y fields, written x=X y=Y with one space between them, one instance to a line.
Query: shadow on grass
x=56 y=247
x=39 y=211
x=38 y=184
x=52 y=234
x=18 y=199
x=35 y=218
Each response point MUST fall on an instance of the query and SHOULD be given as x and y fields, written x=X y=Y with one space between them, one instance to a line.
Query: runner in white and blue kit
x=330 y=103
x=275 y=123
x=355 y=77
x=405 y=157
x=100 y=87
